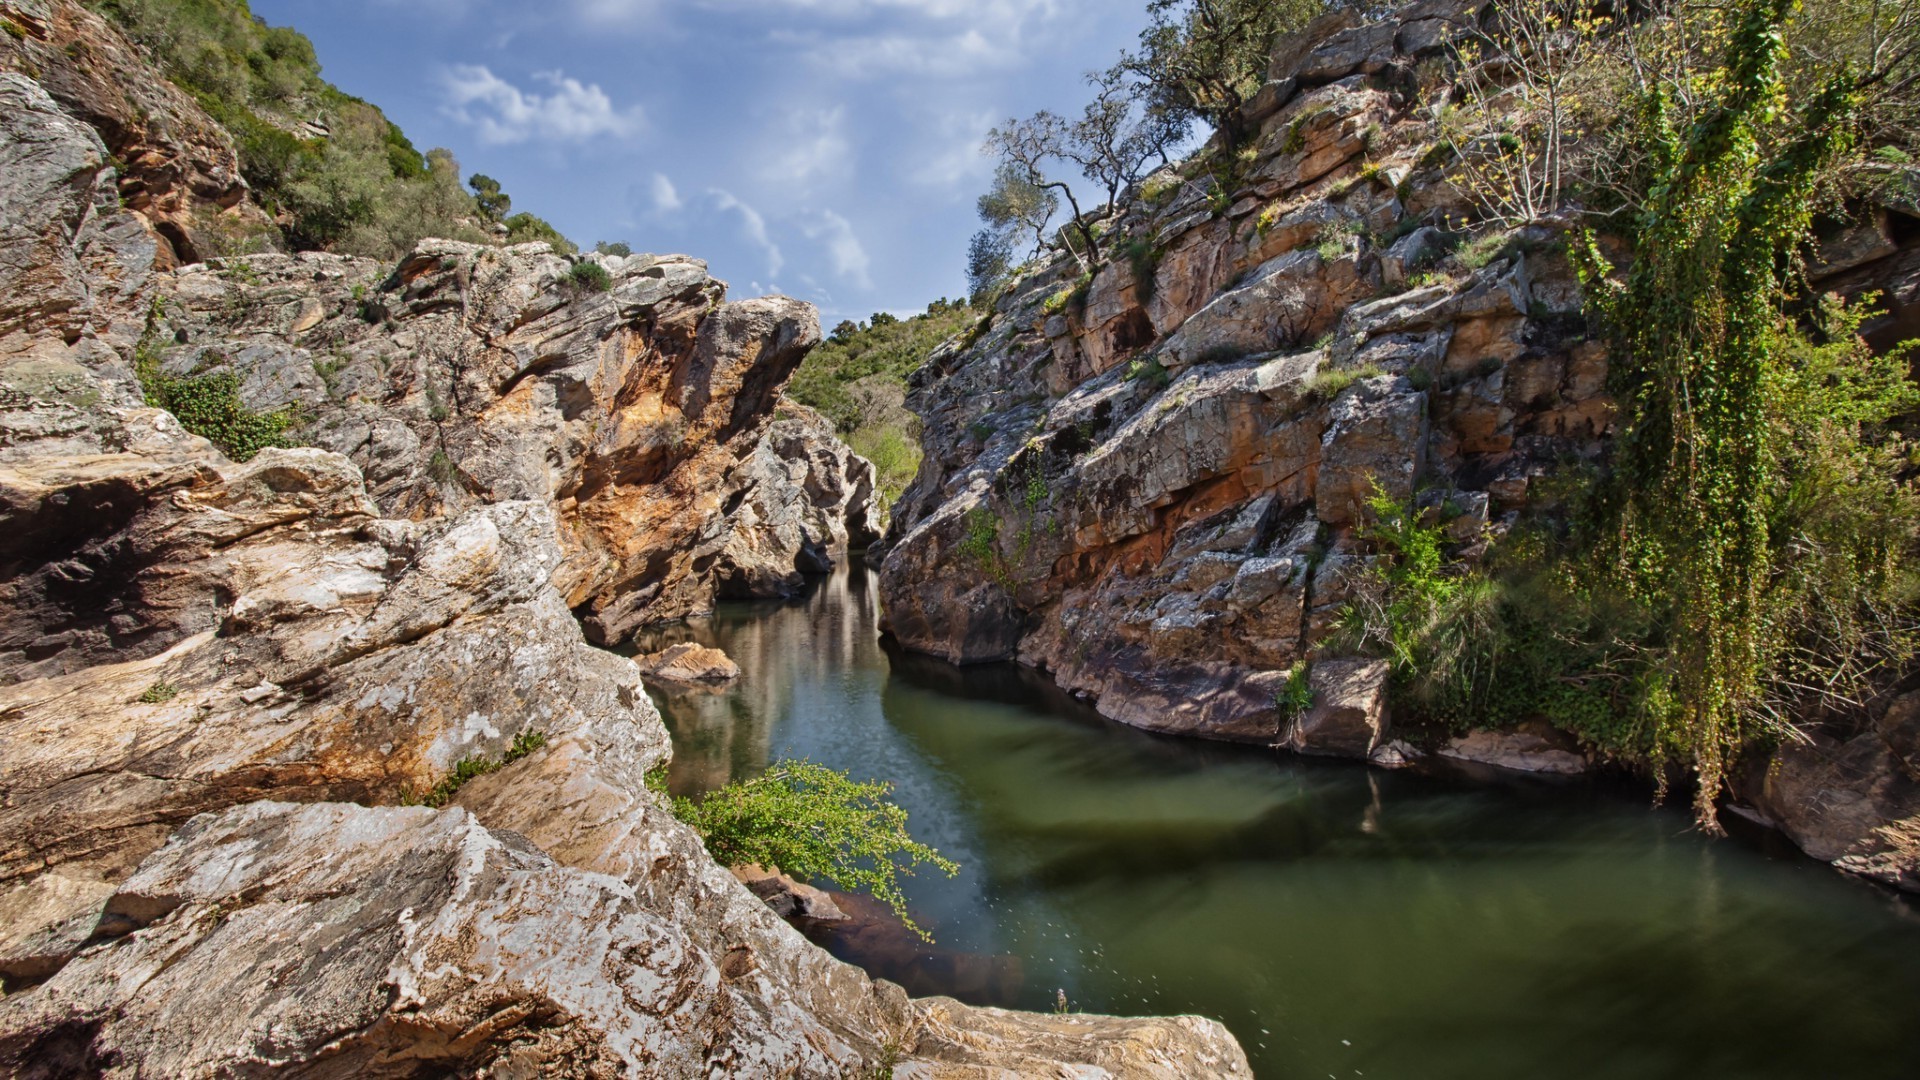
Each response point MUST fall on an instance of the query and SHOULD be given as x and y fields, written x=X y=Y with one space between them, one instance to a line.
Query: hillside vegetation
x=332 y=170
x=858 y=379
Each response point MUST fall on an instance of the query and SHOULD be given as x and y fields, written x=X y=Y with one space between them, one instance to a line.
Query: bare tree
x=1517 y=128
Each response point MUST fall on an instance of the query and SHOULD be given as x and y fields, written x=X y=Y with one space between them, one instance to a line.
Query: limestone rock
x=1847 y=801
x=688 y=665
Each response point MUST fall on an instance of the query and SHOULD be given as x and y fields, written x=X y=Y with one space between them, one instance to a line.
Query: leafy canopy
x=815 y=823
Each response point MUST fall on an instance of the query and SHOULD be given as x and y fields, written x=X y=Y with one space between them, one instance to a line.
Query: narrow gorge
x=387 y=585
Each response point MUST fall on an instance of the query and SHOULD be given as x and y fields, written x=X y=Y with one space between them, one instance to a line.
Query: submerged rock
x=789 y=899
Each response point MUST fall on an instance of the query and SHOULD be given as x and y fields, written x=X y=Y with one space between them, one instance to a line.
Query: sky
x=823 y=149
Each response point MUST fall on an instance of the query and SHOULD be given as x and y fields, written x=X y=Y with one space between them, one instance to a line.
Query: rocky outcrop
x=177 y=170
x=472 y=375
x=792 y=510
x=1153 y=495
x=227 y=682
x=1148 y=484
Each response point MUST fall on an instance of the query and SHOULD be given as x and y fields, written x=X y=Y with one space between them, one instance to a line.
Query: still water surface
x=1344 y=922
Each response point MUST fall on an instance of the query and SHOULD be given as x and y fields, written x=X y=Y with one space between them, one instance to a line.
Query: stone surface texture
x=1153 y=494
x=222 y=684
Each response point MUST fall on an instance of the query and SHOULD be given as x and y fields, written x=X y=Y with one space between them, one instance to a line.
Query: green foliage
x=981 y=544
x=470 y=768
x=13 y=29
x=815 y=823
x=1295 y=699
x=589 y=277
x=895 y=457
x=1329 y=382
x=1149 y=369
x=208 y=405
x=1073 y=295
x=1431 y=622
x=884 y=349
x=656 y=778
x=1704 y=369
x=159 y=693
x=1143 y=259
x=488 y=198
x=1482 y=250
x=615 y=248
x=1337 y=239
x=1205 y=59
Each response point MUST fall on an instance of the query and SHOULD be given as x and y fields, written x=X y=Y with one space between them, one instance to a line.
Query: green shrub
x=1143 y=259
x=209 y=406
x=1150 y=370
x=1329 y=382
x=895 y=457
x=886 y=349
x=815 y=823
x=159 y=693
x=1295 y=699
x=589 y=277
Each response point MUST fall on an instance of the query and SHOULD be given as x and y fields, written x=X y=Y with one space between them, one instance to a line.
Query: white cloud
x=753 y=225
x=666 y=198
x=953 y=162
x=817 y=146
x=503 y=113
x=848 y=255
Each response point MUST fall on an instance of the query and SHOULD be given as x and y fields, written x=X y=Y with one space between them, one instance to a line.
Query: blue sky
x=827 y=149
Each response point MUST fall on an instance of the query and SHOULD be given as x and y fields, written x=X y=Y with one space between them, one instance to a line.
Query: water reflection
x=1342 y=920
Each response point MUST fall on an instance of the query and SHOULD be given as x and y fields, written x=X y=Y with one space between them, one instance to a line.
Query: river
x=1342 y=920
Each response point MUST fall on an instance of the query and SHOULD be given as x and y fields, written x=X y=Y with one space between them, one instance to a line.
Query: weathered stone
x=687 y=665
x=178 y=171
x=1847 y=801
x=1536 y=749
x=789 y=899
x=1348 y=717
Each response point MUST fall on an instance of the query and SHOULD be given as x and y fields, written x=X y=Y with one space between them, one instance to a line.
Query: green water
x=1343 y=921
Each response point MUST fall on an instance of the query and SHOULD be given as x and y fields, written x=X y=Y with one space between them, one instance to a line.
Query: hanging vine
x=1699 y=332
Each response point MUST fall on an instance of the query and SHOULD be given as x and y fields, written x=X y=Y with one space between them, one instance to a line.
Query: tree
x=493 y=203
x=1018 y=203
x=1205 y=59
x=1516 y=132
x=813 y=822
x=1117 y=136
x=989 y=259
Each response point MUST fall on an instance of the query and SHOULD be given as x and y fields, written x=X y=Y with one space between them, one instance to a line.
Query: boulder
x=1535 y=749
x=1348 y=717
x=789 y=899
x=688 y=665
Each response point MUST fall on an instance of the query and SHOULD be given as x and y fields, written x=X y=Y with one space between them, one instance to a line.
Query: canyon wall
x=238 y=694
x=1148 y=485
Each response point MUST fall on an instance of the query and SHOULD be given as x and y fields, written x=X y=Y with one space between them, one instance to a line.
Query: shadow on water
x=1343 y=921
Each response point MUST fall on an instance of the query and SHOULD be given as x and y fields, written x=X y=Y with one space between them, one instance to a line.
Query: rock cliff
x=226 y=681
x=1147 y=484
